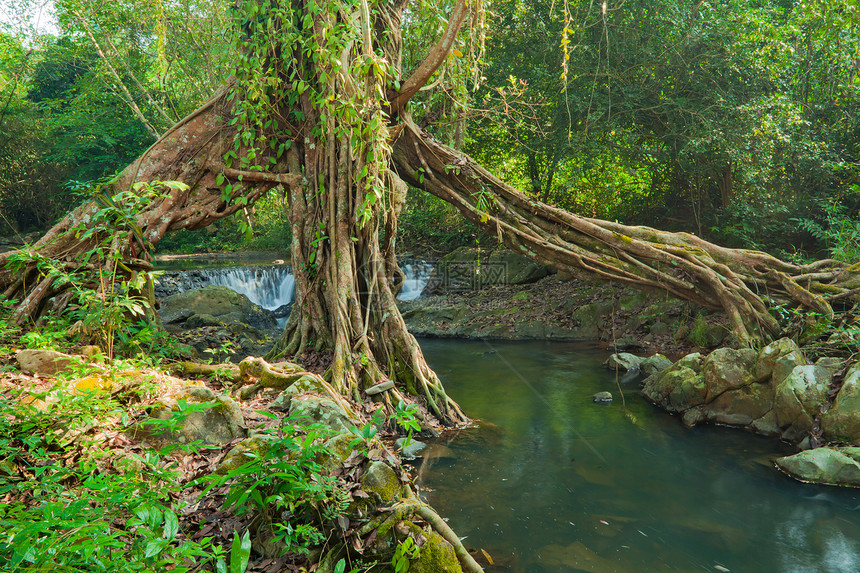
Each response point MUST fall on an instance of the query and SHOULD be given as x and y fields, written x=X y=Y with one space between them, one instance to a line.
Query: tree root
x=413 y=505
x=735 y=280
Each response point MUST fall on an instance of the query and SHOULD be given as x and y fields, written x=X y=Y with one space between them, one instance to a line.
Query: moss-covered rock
x=216 y=303
x=842 y=421
x=623 y=361
x=436 y=555
x=243 y=452
x=654 y=364
x=798 y=398
x=382 y=482
x=831 y=466
x=776 y=360
x=727 y=369
x=337 y=450
x=317 y=410
x=678 y=388
x=193 y=413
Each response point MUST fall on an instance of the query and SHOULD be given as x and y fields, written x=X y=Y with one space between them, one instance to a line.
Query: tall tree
x=320 y=105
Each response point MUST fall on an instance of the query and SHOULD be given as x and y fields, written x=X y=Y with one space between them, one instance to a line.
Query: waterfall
x=417 y=275
x=271 y=287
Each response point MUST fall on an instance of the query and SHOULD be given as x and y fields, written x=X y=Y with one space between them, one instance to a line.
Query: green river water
x=551 y=482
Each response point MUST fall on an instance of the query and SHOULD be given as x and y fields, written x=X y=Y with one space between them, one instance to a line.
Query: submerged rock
x=623 y=361
x=602 y=398
x=413 y=449
x=830 y=466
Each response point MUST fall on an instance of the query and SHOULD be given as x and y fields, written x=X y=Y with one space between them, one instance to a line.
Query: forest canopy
x=737 y=122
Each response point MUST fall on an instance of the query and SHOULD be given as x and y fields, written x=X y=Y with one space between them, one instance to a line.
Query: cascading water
x=417 y=276
x=271 y=287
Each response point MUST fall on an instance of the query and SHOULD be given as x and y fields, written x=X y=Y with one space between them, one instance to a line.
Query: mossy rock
x=679 y=387
x=436 y=555
x=842 y=421
x=243 y=452
x=336 y=450
x=727 y=369
x=776 y=360
x=797 y=399
x=382 y=482
x=316 y=410
x=830 y=466
x=218 y=422
x=509 y=267
x=218 y=303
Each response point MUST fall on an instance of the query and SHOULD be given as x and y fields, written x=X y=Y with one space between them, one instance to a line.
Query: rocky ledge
x=777 y=392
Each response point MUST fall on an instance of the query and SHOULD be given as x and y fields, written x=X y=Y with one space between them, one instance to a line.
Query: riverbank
x=195 y=440
x=565 y=309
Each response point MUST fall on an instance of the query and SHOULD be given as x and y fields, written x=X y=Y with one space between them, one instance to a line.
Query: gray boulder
x=654 y=364
x=842 y=421
x=679 y=387
x=315 y=410
x=214 y=305
x=193 y=413
x=798 y=399
x=776 y=360
x=830 y=466
x=727 y=369
x=623 y=361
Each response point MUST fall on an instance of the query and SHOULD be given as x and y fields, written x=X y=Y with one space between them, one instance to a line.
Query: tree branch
x=433 y=60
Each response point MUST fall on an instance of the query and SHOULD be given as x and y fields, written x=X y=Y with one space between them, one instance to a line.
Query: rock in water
x=603 y=398
x=831 y=466
x=623 y=361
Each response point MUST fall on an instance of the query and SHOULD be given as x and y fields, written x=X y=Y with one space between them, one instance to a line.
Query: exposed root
x=735 y=280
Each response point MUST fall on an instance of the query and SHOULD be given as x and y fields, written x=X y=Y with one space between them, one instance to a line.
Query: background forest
x=736 y=121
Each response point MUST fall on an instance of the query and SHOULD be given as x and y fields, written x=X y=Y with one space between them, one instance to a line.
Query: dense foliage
x=735 y=121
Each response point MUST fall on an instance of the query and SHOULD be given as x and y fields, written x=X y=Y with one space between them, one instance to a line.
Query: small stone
x=380 y=388
x=413 y=450
x=623 y=361
x=248 y=392
x=603 y=398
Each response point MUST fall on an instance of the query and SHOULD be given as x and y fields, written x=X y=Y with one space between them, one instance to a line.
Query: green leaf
x=155 y=547
x=171 y=524
x=240 y=552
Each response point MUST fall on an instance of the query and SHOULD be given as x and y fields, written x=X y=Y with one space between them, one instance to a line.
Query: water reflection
x=555 y=483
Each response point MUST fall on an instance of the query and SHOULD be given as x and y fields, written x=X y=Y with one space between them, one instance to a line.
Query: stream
x=551 y=482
